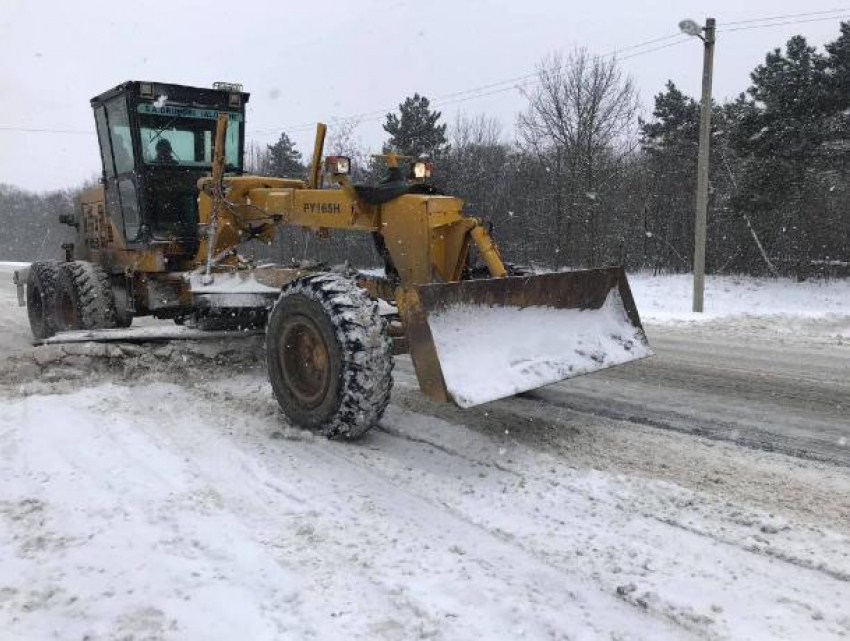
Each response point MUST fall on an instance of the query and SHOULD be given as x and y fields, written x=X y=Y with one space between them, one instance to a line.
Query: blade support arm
x=488 y=250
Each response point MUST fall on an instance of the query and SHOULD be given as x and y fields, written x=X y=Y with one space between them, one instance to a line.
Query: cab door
x=119 y=176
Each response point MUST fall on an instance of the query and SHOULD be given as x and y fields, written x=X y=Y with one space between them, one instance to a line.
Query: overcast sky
x=306 y=61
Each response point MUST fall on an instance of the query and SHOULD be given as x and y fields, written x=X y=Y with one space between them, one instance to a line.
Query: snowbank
x=15 y=335
x=668 y=298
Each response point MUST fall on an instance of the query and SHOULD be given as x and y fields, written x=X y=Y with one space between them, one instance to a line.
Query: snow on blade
x=487 y=353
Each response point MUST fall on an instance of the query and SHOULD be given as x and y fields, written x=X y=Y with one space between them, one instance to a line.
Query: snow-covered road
x=775 y=394
x=187 y=512
x=170 y=500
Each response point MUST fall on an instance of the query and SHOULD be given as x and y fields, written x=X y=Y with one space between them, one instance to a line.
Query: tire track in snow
x=762 y=568
x=495 y=556
x=747 y=540
x=690 y=498
x=446 y=450
x=780 y=555
x=720 y=517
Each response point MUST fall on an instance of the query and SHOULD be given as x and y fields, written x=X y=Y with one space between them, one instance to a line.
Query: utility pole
x=702 y=163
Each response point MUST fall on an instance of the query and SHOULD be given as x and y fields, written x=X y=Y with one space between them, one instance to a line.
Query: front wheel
x=329 y=357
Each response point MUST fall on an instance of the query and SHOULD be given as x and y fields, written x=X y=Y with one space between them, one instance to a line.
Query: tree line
x=585 y=181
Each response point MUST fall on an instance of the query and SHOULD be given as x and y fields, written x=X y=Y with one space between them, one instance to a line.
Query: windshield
x=183 y=136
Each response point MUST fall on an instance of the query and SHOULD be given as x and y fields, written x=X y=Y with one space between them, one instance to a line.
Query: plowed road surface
x=766 y=394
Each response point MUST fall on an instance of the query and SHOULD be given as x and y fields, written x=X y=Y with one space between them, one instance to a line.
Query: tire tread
x=91 y=291
x=367 y=363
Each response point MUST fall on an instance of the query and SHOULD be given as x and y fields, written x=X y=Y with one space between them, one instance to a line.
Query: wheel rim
x=305 y=361
x=66 y=312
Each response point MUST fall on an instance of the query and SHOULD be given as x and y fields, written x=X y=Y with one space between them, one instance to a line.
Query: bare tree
x=581 y=102
x=581 y=110
x=475 y=167
x=479 y=130
x=256 y=157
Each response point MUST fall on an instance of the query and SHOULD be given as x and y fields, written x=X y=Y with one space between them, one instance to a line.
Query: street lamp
x=691 y=28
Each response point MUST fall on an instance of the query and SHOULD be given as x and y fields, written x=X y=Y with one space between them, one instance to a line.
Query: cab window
x=130 y=207
x=183 y=136
x=119 y=133
x=103 y=139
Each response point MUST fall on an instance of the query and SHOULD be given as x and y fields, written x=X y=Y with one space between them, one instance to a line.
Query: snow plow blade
x=480 y=340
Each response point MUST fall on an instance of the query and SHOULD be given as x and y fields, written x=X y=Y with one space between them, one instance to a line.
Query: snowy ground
x=158 y=494
x=819 y=310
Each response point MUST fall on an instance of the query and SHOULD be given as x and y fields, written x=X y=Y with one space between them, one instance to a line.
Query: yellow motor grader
x=160 y=237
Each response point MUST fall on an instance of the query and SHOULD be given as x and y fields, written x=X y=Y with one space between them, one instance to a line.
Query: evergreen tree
x=839 y=66
x=283 y=160
x=837 y=152
x=781 y=126
x=670 y=143
x=671 y=146
x=415 y=132
x=778 y=136
x=838 y=77
x=676 y=121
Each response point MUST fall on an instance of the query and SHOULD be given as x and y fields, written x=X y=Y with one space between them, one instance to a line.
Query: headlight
x=338 y=165
x=421 y=169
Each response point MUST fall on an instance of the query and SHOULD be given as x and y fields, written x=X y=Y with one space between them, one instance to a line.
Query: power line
x=441 y=100
x=614 y=52
x=510 y=84
x=667 y=46
x=380 y=115
x=33 y=130
x=779 y=24
x=481 y=91
x=499 y=86
x=436 y=101
x=534 y=75
x=786 y=16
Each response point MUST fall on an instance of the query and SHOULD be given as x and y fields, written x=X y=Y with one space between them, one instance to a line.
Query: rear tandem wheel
x=84 y=298
x=41 y=293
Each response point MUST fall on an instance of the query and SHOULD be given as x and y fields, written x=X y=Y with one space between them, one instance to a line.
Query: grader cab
x=161 y=235
x=156 y=143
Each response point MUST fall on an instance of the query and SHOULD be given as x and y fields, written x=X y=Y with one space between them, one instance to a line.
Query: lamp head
x=690 y=28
